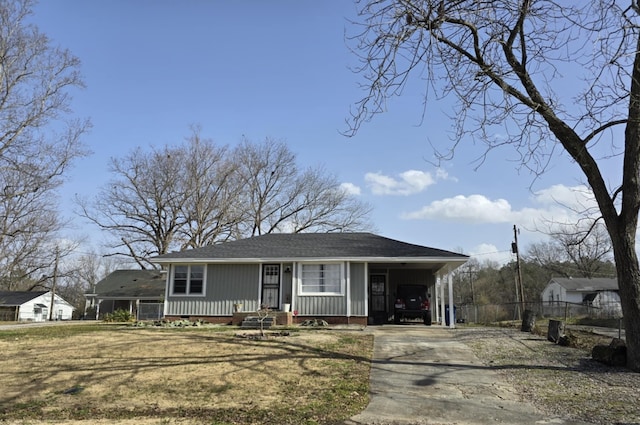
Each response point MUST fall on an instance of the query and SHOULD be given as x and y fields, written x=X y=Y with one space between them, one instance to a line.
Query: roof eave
x=454 y=260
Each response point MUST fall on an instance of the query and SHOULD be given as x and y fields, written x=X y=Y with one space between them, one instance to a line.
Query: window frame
x=341 y=279
x=188 y=292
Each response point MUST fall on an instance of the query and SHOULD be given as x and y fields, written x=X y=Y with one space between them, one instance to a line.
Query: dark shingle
x=132 y=283
x=313 y=245
x=16 y=298
x=587 y=284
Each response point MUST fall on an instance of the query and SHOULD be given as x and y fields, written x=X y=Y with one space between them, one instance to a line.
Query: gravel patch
x=558 y=380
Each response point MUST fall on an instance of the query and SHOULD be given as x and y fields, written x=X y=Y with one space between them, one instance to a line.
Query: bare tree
x=82 y=275
x=507 y=63
x=141 y=207
x=198 y=194
x=211 y=214
x=571 y=252
x=38 y=141
x=277 y=197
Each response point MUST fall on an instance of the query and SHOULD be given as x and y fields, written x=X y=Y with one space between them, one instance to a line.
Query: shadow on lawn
x=69 y=364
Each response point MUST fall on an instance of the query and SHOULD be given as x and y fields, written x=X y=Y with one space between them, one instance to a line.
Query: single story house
x=576 y=290
x=599 y=293
x=140 y=292
x=33 y=306
x=338 y=277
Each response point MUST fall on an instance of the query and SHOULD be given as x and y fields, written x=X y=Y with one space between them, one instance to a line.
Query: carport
x=433 y=273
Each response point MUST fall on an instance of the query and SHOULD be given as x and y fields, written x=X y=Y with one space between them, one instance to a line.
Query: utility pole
x=53 y=285
x=470 y=272
x=514 y=249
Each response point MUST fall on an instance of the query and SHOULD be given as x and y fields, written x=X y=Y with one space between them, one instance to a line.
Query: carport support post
x=436 y=298
x=452 y=322
x=442 y=309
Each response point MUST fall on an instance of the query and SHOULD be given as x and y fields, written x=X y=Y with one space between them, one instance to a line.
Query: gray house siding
x=227 y=284
x=358 y=289
x=321 y=306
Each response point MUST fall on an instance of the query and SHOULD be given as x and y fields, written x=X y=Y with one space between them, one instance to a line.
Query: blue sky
x=282 y=69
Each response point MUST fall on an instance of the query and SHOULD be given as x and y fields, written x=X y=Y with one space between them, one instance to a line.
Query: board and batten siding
x=358 y=291
x=227 y=284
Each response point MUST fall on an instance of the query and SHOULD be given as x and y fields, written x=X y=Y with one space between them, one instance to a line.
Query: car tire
x=427 y=318
x=396 y=319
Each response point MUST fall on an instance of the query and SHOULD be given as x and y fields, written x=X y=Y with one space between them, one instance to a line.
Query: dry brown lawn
x=111 y=373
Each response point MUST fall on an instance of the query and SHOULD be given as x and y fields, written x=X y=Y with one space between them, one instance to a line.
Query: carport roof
x=320 y=246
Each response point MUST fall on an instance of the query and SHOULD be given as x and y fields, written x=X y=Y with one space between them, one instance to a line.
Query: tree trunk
x=555 y=331
x=629 y=283
x=629 y=287
x=528 y=321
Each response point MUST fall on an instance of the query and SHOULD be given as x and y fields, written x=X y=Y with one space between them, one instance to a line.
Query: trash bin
x=446 y=314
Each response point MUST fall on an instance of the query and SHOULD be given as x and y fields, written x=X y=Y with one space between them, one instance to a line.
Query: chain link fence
x=566 y=311
x=150 y=311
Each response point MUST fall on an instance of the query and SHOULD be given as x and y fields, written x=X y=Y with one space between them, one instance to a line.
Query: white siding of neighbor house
x=227 y=284
x=609 y=303
x=62 y=310
x=558 y=292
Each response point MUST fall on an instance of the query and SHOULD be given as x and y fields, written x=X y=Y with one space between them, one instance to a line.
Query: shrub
x=119 y=316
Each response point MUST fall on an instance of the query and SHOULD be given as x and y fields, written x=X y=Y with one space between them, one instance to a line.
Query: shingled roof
x=17 y=298
x=132 y=284
x=584 y=284
x=281 y=246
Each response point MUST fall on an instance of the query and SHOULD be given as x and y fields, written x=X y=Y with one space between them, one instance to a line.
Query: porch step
x=253 y=322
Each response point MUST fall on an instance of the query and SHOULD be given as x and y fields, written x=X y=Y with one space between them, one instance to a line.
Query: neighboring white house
x=35 y=306
x=576 y=290
x=599 y=293
x=608 y=303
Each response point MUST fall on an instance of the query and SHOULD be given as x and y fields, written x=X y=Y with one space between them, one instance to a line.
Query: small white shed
x=35 y=306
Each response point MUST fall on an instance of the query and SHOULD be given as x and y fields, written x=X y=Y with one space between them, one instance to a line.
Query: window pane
x=319 y=278
x=196 y=283
x=271 y=274
x=180 y=280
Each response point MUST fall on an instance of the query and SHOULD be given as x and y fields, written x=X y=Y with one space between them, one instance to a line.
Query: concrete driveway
x=422 y=375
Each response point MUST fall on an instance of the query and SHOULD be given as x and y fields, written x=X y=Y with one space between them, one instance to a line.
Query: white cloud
x=578 y=198
x=470 y=209
x=442 y=174
x=558 y=203
x=351 y=188
x=490 y=253
x=409 y=183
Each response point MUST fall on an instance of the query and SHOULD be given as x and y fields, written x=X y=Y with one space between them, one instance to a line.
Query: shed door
x=271 y=286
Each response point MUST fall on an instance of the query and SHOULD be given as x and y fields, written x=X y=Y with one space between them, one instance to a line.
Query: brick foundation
x=282 y=319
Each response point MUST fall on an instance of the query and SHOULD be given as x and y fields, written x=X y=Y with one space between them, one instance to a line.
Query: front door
x=377 y=298
x=271 y=286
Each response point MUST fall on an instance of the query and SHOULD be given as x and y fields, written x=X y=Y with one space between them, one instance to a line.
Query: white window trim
x=188 y=294
x=301 y=293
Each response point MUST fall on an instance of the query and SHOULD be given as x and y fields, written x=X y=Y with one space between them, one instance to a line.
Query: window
x=188 y=280
x=321 y=279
